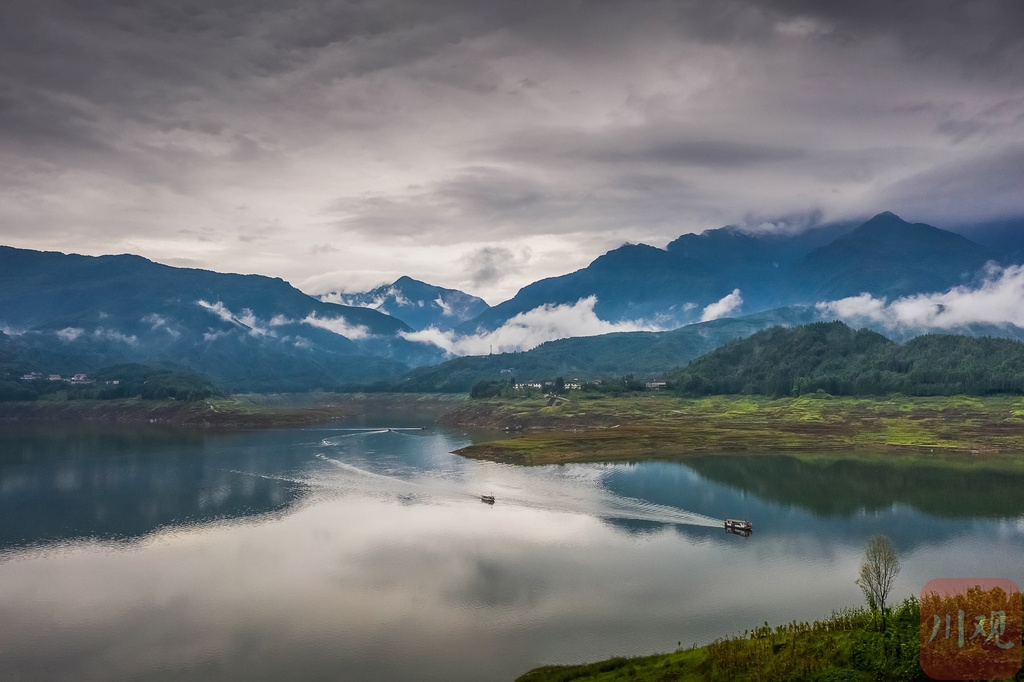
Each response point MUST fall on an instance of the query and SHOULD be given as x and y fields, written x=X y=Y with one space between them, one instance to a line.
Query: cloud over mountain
x=723 y=307
x=528 y=330
x=998 y=300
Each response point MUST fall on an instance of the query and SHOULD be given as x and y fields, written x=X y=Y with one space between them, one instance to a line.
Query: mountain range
x=69 y=313
x=885 y=256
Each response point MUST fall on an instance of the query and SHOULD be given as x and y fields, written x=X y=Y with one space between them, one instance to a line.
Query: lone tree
x=877 y=573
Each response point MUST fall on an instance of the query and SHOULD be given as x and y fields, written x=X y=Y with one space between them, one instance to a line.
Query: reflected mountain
x=59 y=484
x=846 y=487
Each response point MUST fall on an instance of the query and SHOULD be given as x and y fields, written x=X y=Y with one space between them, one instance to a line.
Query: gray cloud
x=406 y=134
x=491 y=264
x=946 y=193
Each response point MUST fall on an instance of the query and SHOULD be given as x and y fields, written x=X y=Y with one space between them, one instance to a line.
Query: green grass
x=586 y=428
x=846 y=647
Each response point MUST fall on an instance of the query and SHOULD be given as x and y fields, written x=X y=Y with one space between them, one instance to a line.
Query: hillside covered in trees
x=832 y=357
x=111 y=383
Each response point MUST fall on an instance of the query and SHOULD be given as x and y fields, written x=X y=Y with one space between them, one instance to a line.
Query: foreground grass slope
x=849 y=646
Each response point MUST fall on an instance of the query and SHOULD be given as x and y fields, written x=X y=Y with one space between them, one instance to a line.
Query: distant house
x=573 y=385
x=54 y=377
x=80 y=379
x=654 y=385
x=31 y=376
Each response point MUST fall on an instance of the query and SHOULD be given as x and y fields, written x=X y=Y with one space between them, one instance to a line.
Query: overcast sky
x=483 y=145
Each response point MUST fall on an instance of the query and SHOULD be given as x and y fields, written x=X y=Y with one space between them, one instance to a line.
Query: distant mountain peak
x=887 y=220
x=417 y=303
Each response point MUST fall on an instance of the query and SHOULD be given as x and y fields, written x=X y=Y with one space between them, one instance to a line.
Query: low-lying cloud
x=998 y=300
x=530 y=329
x=722 y=307
x=339 y=325
x=70 y=334
x=159 y=322
x=248 y=321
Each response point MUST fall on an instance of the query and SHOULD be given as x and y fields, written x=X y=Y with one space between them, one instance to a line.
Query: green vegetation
x=112 y=383
x=847 y=647
x=852 y=645
x=595 y=427
x=831 y=357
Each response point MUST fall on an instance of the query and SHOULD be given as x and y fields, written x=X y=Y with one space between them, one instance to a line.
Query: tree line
x=833 y=358
x=119 y=381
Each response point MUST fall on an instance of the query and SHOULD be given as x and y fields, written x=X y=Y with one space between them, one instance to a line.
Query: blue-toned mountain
x=889 y=257
x=885 y=256
x=418 y=304
x=71 y=313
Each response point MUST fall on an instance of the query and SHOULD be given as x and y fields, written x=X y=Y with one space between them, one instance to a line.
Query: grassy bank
x=600 y=428
x=847 y=647
x=237 y=411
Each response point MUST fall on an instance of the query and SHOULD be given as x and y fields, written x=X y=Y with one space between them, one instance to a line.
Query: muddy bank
x=234 y=412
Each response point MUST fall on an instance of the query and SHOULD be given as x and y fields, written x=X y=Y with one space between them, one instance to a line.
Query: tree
x=878 y=572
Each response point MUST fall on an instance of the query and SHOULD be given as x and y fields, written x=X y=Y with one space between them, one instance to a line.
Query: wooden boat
x=489 y=499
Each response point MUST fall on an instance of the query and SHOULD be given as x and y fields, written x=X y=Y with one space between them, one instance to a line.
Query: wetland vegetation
x=592 y=427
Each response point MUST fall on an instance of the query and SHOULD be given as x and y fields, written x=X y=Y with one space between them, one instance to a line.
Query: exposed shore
x=590 y=429
x=233 y=412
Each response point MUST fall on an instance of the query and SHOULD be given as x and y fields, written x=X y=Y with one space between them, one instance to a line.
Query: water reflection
x=367 y=555
x=848 y=486
x=61 y=484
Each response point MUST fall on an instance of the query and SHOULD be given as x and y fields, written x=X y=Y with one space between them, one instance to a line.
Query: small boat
x=734 y=525
x=489 y=499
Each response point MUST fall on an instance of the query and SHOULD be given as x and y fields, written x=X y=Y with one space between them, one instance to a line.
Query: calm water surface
x=341 y=554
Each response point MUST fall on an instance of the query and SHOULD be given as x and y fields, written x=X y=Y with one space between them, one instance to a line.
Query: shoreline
x=242 y=411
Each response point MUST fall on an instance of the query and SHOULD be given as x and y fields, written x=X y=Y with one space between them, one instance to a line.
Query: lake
x=355 y=552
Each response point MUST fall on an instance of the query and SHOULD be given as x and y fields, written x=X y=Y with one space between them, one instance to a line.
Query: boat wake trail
x=350 y=433
x=517 y=489
x=642 y=510
x=351 y=468
x=608 y=505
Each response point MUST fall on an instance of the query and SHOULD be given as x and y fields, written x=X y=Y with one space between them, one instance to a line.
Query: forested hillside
x=120 y=381
x=831 y=357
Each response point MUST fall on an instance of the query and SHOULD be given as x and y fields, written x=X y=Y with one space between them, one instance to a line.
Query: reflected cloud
x=380 y=561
